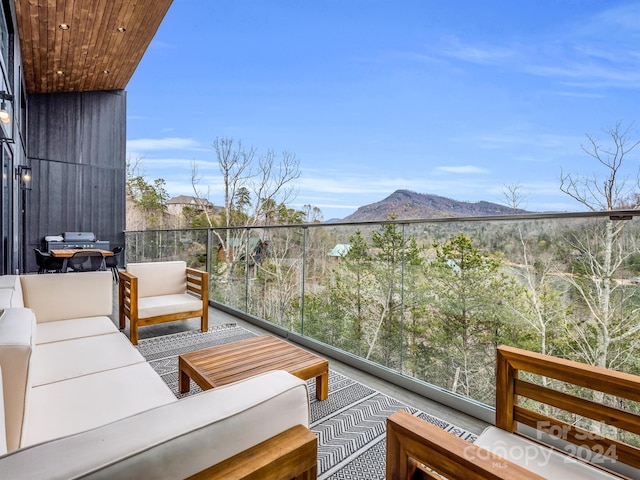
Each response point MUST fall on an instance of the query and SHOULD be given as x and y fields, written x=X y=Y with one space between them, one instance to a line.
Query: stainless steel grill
x=75 y=240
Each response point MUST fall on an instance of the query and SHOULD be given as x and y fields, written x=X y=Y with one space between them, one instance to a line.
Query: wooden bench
x=545 y=446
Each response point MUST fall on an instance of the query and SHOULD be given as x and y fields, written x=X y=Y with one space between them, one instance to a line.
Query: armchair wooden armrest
x=417 y=449
x=127 y=297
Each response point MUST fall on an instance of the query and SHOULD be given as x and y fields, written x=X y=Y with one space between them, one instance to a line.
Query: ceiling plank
x=90 y=47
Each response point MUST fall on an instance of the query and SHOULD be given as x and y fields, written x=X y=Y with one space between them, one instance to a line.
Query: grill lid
x=79 y=237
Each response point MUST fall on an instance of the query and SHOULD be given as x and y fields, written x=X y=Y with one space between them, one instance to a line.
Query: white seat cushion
x=81 y=403
x=56 y=361
x=537 y=458
x=75 y=328
x=167 y=304
x=176 y=440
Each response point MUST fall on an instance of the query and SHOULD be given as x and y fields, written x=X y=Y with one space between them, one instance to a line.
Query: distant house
x=258 y=250
x=340 y=250
x=175 y=205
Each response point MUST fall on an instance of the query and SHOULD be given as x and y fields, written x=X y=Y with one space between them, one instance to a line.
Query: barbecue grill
x=75 y=240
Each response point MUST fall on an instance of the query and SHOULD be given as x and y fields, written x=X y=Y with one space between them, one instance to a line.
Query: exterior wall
x=76 y=147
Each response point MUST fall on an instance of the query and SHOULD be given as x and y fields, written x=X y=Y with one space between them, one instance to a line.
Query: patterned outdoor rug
x=350 y=424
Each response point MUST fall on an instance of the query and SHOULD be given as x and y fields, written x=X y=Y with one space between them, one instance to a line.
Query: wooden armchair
x=158 y=292
x=549 y=448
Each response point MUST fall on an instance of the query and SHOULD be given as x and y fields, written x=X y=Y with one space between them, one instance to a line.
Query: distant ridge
x=408 y=205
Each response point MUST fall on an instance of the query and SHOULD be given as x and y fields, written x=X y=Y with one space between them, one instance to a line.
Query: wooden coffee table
x=223 y=364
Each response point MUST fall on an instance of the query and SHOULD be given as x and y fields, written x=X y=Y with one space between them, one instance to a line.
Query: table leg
x=322 y=386
x=184 y=382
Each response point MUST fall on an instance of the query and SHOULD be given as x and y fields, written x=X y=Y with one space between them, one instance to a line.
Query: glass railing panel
x=558 y=286
x=228 y=266
x=274 y=277
x=330 y=312
x=353 y=290
x=455 y=295
x=166 y=245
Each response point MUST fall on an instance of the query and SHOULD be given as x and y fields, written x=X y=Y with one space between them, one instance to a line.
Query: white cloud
x=160 y=45
x=168 y=143
x=327 y=205
x=620 y=18
x=524 y=139
x=480 y=54
x=584 y=73
x=462 y=169
x=597 y=59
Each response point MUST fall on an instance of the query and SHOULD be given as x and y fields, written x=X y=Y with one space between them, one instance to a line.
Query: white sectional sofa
x=81 y=402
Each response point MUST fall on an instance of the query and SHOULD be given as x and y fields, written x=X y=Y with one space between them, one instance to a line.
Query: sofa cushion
x=61 y=296
x=81 y=403
x=56 y=361
x=17 y=340
x=159 y=278
x=12 y=282
x=9 y=298
x=538 y=458
x=176 y=440
x=167 y=304
x=75 y=328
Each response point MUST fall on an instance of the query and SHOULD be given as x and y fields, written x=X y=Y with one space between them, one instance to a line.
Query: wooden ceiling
x=99 y=51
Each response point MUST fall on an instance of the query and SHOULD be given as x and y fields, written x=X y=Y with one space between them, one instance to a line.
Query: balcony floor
x=217 y=317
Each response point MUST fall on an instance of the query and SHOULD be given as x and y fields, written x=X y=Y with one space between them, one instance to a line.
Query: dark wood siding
x=76 y=145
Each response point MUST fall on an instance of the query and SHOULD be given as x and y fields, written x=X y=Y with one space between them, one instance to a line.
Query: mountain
x=407 y=205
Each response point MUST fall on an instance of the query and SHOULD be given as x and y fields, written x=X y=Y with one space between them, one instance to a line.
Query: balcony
x=416 y=309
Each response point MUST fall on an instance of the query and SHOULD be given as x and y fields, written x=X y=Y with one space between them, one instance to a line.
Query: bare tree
x=202 y=198
x=251 y=190
x=605 y=333
x=514 y=197
x=614 y=190
x=312 y=214
x=542 y=307
x=271 y=184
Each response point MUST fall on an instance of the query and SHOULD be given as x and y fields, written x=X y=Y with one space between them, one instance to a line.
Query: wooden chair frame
x=416 y=449
x=509 y=387
x=413 y=444
x=197 y=283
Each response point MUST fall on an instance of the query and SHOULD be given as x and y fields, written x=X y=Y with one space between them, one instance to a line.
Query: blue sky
x=454 y=98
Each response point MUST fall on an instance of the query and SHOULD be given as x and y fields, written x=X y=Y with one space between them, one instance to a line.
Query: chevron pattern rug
x=350 y=424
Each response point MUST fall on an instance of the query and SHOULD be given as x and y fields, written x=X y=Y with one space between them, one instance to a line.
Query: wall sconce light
x=5 y=116
x=23 y=174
